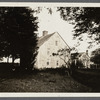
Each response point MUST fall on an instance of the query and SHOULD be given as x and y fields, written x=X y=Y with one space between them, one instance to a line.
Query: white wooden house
x=83 y=57
x=49 y=44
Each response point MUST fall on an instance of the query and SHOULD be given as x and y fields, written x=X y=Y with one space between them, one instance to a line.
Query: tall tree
x=17 y=31
x=64 y=55
x=96 y=56
x=85 y=19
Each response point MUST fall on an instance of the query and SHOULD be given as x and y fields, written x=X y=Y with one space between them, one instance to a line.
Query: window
x=56 y=43
x=47 y=63
x=57 y=63
x=48 y=51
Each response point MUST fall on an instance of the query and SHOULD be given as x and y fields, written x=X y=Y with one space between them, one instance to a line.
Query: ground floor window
x=57 y=63
x=47 y=63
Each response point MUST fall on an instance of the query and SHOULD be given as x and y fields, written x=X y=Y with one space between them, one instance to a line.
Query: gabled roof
x=63 y=40
x=43 y=39
x=76 y=55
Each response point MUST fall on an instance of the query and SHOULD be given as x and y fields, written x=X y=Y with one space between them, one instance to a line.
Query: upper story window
x=48 y=63
x=56 y=43
x=48 y=51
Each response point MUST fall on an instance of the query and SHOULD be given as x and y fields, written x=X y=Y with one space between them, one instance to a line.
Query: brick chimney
x=45 y=33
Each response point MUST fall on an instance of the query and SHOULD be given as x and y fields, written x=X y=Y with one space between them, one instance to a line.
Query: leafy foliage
x=85 y=19
x=96 y=56
x=63 y=54
x=17 y=34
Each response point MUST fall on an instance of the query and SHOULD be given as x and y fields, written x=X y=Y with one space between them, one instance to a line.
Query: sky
x=54 y=23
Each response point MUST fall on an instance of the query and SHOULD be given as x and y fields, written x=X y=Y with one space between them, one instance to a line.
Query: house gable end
x=43 y=40
x=63 y=40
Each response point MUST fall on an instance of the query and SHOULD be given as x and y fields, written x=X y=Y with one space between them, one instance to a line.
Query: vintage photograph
x=49 y=49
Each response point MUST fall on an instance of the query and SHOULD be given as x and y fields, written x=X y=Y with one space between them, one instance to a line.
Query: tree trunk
x=8 y=59
x=23 y=62
x=13 y=58
x=96 y=66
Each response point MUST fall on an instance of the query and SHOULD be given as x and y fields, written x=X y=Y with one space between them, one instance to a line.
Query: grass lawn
x=40 y=81
x=88 y=77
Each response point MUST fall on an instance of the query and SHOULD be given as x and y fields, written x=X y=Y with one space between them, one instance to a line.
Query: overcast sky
x=54 y=23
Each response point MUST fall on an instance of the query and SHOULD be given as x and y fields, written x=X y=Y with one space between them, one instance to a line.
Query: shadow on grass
x=47 y=80
x=9 y=71
x=88 y=77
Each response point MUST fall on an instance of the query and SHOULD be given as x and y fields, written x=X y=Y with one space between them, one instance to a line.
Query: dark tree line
x=96 y=56
x=17 y=35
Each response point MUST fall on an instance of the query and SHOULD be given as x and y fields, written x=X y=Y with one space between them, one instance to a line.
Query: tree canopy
x=17 y=33
x=96 y=56
x=84 y=19
x=63 y=53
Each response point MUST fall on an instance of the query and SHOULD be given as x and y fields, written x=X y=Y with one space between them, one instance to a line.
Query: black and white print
x=49 y=49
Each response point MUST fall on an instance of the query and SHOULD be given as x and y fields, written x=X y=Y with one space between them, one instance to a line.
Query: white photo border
x=51 y=4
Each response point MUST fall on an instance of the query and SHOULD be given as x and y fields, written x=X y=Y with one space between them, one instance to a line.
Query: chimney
x=86 y=52
x=45 y=33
